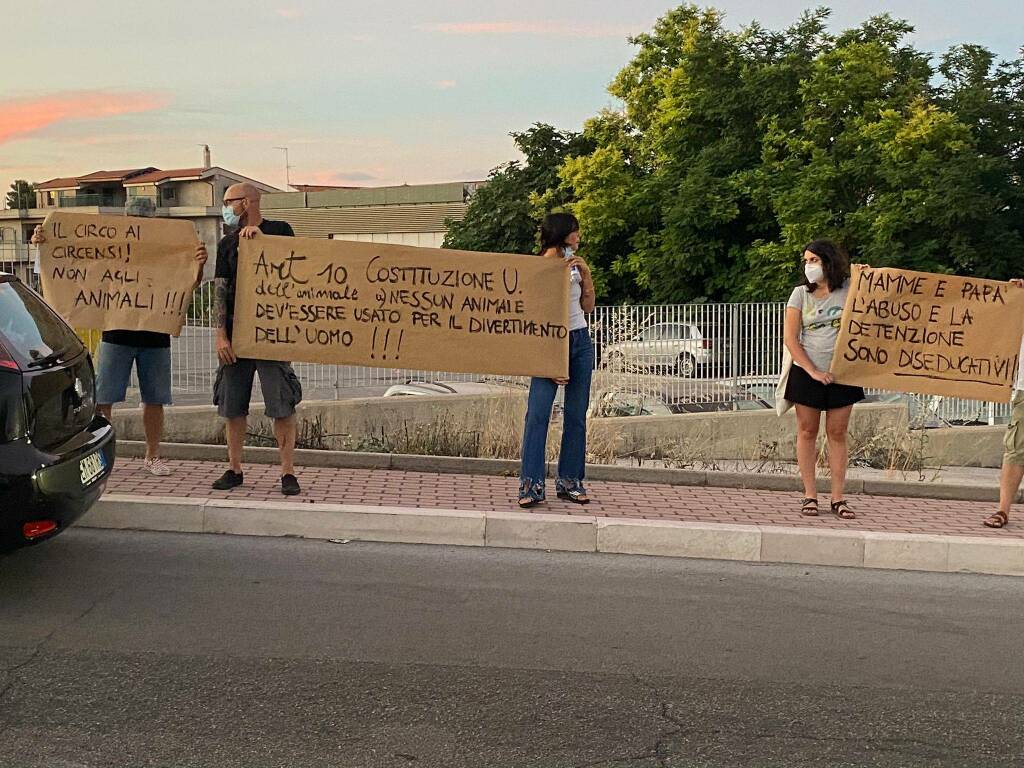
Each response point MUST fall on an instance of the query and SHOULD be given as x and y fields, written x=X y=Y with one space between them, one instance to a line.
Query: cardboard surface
x=394 y=306
x=118 y=272
x=930 y=334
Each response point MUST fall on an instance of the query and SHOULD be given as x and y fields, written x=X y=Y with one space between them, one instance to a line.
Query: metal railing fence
x=721 y=355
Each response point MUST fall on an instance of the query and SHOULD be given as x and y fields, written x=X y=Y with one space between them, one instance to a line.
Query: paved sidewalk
x=393 y=488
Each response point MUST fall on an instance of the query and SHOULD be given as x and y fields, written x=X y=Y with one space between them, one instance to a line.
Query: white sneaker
x=157 y=467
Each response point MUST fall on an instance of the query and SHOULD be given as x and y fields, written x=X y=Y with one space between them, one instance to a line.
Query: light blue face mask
x=568 y=251
x=230 y=217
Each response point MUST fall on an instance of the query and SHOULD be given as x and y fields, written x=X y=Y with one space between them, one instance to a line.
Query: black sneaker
x=228 y=480
x=289 y=485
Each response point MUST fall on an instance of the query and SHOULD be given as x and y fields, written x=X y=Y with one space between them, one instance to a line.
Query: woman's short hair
x=555 y=228
x=834 y=262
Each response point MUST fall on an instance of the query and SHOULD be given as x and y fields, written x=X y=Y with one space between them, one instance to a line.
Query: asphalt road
x=132 y=649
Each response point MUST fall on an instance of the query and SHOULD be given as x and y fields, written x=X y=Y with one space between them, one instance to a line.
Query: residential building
x=407 y=214
x=194 y=194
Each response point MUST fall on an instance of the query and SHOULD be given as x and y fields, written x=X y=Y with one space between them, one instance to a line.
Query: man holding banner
x=149 y=352
x=233 y=388
x=1013 y=458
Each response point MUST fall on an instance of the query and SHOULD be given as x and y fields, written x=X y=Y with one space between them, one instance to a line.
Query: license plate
x=91 y=467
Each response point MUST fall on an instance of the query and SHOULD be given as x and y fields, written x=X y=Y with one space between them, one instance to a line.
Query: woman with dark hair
x=559 y=239
x=811 y=329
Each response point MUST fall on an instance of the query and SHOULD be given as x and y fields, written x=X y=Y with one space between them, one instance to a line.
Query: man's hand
x=822 y=376
x=224 y=351
x=249 y=232
x=38 y=238
x=201 y=257
x=1017 y=281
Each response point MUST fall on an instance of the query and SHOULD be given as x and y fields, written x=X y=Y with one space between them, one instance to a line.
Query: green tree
x=501 y=217
x=665 y=201
x=889 y=166
x=736 y=148
x=22 y=194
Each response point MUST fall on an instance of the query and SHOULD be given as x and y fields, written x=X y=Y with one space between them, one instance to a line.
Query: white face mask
x=814 y=273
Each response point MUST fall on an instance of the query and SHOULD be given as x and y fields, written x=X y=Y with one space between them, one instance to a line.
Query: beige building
x=194 y=194
x=406 y=215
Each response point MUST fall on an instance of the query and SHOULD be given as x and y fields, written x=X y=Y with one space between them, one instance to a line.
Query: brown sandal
x=997 y=519
x=842 y=509
x=809 y=507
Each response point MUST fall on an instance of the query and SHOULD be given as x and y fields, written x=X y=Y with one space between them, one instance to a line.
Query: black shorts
x=803 y=390
x=233 y=388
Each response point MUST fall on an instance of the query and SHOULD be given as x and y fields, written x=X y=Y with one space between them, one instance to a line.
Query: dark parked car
x=56 y=452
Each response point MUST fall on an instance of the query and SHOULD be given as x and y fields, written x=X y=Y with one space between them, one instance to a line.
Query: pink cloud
x=537 y=28
x=24 y=117
x=445 y=85
x=289 y=13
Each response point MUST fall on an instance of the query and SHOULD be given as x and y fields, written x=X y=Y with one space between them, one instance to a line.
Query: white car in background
x=677 y=347
x=451 y=388
x=671 y=399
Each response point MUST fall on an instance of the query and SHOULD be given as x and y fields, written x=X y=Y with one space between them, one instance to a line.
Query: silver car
x=678 y=347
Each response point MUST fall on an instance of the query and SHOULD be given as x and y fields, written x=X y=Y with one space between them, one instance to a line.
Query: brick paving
x=382 y=487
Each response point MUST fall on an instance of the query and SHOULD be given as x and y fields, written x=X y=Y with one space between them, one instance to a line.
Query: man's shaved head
x=244 y=201
x=245 y=189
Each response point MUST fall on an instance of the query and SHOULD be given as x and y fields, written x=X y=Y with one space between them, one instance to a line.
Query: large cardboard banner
x=393 y=306
x=930 y=334
x=118 y=272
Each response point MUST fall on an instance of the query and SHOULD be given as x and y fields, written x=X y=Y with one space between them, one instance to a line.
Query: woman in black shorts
x=812 y=327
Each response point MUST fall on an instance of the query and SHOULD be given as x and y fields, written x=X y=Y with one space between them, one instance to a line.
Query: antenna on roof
x=287 y=168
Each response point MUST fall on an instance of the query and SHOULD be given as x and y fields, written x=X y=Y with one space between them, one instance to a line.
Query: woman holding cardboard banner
x=560 y=236
x=811 y=328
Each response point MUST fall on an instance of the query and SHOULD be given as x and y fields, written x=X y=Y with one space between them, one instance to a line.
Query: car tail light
x=36 y=528
x=705 y=343
x=6 y=361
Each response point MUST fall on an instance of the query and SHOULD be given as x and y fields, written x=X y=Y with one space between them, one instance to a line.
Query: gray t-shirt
x=819 y=322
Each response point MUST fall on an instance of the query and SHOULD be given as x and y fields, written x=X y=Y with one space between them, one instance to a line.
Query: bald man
x=233 y=387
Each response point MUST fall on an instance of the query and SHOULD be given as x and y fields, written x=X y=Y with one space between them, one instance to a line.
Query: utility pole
x=287 y=168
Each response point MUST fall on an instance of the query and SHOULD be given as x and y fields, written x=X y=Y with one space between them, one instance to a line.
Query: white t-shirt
x=577 y=318
x=819 y=322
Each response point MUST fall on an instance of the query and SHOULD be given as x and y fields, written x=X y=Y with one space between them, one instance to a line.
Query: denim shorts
x=114 y=369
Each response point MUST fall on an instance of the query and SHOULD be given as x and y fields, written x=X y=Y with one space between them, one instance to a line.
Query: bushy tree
x=735 y=148
x=501 y=217
x=22 y=194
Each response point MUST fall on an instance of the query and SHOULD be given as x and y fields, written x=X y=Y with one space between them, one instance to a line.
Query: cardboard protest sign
x=930 y=334
x=118 y=272
x=393 y=306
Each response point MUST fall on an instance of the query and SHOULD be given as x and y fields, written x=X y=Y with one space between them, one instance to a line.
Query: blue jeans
x=572 y=458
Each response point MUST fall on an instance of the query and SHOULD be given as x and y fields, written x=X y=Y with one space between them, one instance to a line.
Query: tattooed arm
x=221 y=287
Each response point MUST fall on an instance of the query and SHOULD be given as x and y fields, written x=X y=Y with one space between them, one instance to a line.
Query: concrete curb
x=456 y=465
x=569 y=533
